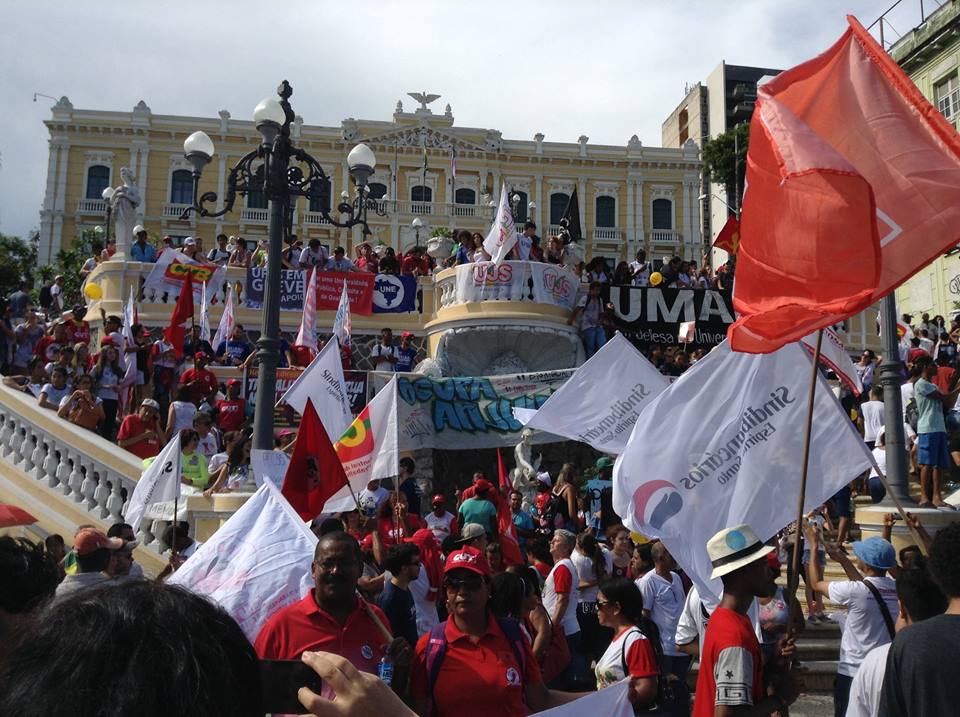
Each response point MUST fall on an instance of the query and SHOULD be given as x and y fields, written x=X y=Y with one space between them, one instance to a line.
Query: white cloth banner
x=553 y=284
x=723 y=445
x=485 y=281
x=169 y=273
x=307 y=336
x=600 y=402
x=204 y=315
x=835 y=357
x=160 y=482
x=268 y=466
x=342 y=323
x=323 y=383
x=225 y=328
x=256 y=563
x=611 y=701
x=502 y=235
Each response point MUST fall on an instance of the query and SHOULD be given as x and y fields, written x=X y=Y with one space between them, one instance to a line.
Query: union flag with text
x=853 y=184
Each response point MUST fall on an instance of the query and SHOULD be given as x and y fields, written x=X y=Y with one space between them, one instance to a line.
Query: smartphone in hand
x=280 y=680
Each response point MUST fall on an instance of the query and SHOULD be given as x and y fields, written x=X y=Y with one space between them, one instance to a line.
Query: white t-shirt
x=693 y=623
x=927 y=345
x=867 y=683
x=609 y=669
x=665 y=601
x=906 y=393
x=208 y=447
x=379 y=354
x=309 y=258
x=864 y=628
x=183 y=413
x=584 y=566
x=872 y=419
x=427 y=615
x=880 y=456
x=378 y=496
x=641 y=273
x=440 y=526
x=569 y=618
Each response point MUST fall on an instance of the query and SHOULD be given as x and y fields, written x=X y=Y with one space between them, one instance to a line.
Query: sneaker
x=813 y=620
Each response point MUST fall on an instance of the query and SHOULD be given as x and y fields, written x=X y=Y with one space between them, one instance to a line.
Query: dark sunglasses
x=471 y=583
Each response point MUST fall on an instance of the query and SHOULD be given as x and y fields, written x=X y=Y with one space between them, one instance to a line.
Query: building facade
x=630 y=196
x=930 y=55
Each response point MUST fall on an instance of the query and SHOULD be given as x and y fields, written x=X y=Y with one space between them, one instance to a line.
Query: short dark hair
x=400 y=555
x=530 y=225
x=338 y=536
x=116 y=530
x=919 y=594
x=507 y=591
x=146 y=622
x=945 y=560
x=94 y=562
x=407 y=463
x=330 y=525
x=53 y=539
x=28 y=575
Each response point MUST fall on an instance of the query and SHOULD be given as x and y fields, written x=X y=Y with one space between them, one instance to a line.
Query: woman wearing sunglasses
x=636 y=642
x=475 y=663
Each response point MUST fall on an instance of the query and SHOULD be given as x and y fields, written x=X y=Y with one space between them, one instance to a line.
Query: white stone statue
x=125 y=200
x=524 y=476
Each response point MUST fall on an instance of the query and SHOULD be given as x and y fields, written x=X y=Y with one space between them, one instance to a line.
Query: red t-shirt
x=132 y=426
x=389 y=535
x=731 y=654
x=231 y=413
x=78 y=332
x=207 y=385
x=302 y=355
x=944 y=378
x=303 y=626
x=482 y=678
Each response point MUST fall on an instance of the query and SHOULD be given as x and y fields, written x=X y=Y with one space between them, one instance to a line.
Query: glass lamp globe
x=198 y=143
x=107 y=194
x=361 y=156
x=416 y=223
x=269 y=110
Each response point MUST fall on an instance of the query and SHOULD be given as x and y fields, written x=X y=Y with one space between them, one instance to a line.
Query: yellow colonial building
x=631 y=196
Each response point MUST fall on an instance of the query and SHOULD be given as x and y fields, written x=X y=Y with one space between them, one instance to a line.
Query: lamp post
x=283 y=173
x=894 y=441
x=417 y=225
x=107 y=195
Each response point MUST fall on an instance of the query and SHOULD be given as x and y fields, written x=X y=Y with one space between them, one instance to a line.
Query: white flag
x=369 y=448
x=307 y=336
x=611 y=701
x=128 y=358
x=502 y=235
x=204 y=315
x=688 y=332
x=834 y=357
x=723 y=445
x=129 y=311
x=159 y=483
x=342 y=325
x=323 y=383
x=594 y=405
x=256 y=563
x=225 y=328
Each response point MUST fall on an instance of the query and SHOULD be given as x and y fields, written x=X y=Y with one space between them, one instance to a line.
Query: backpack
x=912 y=413
x=437 y=648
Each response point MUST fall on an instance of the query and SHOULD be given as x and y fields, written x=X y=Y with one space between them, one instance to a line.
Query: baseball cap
x=604 y=462
x=545 y=478
x=106 y=341
x=90 y=539
x=734 y=548
x=150 y=403
x=876 y=552
x=406 y=335
x=233 y=382
x=438 y=498
x=199 y=355
x=471 y=531
x=189 y=241
x=467 y=558
x=483 y=485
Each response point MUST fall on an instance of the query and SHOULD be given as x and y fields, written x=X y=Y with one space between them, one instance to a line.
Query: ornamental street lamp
x=283 y=173
x=107 y=195
x=417 y=225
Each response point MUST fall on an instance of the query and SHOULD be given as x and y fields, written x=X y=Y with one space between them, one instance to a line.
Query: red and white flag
x=307 y=336
x=175 y=333
x=843 y=145
x=502 y=235
x=835 y=357
x=342 y=324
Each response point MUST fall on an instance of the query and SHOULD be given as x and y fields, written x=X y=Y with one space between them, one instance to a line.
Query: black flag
x=570 y=222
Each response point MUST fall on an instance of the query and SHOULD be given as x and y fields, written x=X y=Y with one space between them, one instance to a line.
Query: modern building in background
x=631 y=196
x=930 y=55
x=708 y=109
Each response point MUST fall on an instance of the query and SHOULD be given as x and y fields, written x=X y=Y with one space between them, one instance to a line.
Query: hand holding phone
x=280 y=681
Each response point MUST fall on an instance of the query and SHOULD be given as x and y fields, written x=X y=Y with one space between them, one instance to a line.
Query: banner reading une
x=468 y=412
x=648 y=315
x=368 y=293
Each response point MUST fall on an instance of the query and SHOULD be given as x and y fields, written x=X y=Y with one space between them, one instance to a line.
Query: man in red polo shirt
x=333 y=617
x=201 y=381
x=731 y=679
x=140 y=432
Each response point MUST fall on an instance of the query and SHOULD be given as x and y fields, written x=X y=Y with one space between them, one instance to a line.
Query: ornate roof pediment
x=423 y=136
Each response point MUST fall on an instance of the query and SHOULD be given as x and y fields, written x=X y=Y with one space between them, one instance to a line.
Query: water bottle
x=385 y=670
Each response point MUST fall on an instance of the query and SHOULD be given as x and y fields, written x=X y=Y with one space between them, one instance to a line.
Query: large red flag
x=509 y=545
x=315 y=472
x=729 y=237
x=853 y=184
x=182 y=312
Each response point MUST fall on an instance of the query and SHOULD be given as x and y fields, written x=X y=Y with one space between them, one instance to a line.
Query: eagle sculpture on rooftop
x=423 y=98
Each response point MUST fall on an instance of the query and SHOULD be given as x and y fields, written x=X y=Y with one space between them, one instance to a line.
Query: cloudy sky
x=604 y=68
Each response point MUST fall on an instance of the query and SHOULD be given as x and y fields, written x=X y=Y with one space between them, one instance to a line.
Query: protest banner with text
x=648 y=315
x=368 y=293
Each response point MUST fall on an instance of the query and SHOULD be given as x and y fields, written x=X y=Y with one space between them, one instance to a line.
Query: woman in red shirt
x=394 y=522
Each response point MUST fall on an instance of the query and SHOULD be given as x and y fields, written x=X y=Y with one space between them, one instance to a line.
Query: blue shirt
x=147 y=253
x=397 y=604
x=524 y=521
x=236 y=351
x=463 y=255
x=405 y=358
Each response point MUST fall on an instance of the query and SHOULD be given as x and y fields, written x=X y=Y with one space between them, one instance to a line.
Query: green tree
x=725 y=166
x=18 y=259
x=68 y=263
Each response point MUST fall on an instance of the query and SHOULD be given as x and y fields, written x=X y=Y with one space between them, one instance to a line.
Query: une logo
x=668 y=503
x=388 y=291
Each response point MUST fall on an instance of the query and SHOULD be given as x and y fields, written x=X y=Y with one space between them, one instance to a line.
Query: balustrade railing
x=91 y=206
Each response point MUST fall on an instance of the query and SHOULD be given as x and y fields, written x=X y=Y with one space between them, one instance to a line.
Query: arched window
x=465 y=196
x=662 y=214
x=98 y=179
x=606 y=208
x=181 y=187
x=558 y=205
x=319 y=196
x=377 y=190
x=521 y=206
x=420 y=193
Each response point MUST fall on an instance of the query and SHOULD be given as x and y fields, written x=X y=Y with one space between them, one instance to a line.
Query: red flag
x=505 y=485
x=509 y=545
x=315 y=473
x=729 y=237
x=853 y=185
x=182 y=312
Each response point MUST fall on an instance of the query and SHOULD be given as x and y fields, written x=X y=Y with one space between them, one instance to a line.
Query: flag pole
x=794 y=578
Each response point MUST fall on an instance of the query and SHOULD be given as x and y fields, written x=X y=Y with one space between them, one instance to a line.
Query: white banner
x=485 y=281
x=268 y=466
x=553 y=284
x=256 y=563
x=323 y=383
x=611 y=701
x=225 y=327
x=723 y=445
x=502 y=235
x=160 y=482
x=170 y=271
x=835 y=357
x=600 y=402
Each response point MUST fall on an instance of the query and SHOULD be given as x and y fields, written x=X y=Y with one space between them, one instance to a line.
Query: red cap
x=438 y=498
x=200 y=355
x=773 y=561
x=483 y=485
x=366 y=544
x=406 y=335
x=467 y=558
x=91 y=539
x=233 y=382
x=106 y=341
